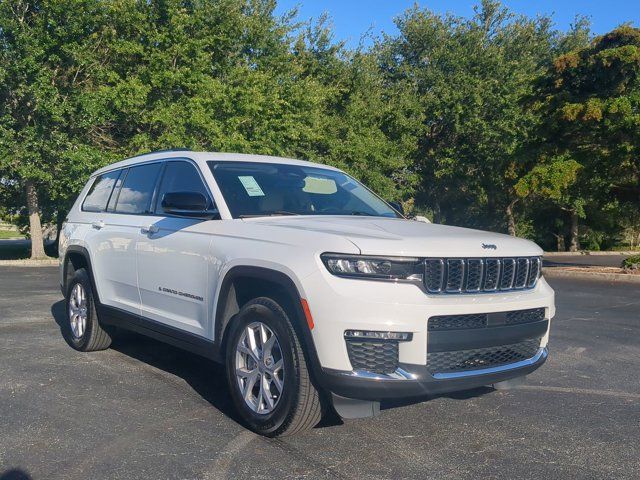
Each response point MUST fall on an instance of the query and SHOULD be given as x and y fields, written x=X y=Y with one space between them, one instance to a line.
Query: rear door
x=173 y=257
x=113 y=235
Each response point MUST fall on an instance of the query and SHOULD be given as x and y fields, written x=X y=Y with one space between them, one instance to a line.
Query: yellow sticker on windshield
x=251 y=186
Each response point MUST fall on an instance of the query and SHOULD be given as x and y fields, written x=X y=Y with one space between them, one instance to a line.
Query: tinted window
x=259 y=189
x=98 y=196
x=137 y=189
x=114 y=195
x=180 y=177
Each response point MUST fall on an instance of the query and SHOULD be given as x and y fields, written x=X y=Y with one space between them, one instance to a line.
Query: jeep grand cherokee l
x=310 y=289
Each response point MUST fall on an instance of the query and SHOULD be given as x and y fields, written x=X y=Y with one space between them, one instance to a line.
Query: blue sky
x=352 y=18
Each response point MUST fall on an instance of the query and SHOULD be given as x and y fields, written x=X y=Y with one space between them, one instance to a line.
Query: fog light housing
x=377 y=335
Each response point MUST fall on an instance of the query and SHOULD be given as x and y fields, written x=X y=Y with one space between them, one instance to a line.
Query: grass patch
x=5 y=234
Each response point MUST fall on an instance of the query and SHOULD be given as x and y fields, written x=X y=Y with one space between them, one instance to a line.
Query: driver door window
x=180 y=176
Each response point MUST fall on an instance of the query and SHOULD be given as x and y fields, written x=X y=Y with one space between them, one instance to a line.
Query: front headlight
x=384 y=268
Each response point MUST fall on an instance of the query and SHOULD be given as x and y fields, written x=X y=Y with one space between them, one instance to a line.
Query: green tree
x=591 y=102
x=470 y=78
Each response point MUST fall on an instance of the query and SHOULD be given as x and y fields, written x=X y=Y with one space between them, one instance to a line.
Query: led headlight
x=385 y=268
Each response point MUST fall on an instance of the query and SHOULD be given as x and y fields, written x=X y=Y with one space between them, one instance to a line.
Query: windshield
x=254 y=189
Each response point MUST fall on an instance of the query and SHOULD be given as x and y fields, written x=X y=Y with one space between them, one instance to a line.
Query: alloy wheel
x=259 y=368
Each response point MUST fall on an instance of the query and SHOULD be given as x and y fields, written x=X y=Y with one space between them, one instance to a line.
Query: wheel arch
x=243 y=283
x=75 y=258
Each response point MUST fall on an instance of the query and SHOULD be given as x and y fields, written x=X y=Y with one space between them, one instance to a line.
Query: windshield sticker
x=251 y=186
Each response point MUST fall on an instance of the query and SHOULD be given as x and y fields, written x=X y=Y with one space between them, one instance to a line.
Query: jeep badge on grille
x=489 y=246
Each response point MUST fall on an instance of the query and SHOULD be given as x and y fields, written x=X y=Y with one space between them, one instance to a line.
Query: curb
x=555 y=272
x=586 y=252
x=29 y=263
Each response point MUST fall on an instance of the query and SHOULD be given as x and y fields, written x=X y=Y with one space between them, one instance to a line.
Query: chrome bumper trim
x=542 y=353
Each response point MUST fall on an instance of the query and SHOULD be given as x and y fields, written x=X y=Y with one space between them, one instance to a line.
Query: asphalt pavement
x=143 y=409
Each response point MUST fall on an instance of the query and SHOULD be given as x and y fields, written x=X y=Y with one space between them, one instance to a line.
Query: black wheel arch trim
x=222 y=320
x=78 y=249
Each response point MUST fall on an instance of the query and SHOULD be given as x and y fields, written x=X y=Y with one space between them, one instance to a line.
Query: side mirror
x=397 y=206
x=186 y=204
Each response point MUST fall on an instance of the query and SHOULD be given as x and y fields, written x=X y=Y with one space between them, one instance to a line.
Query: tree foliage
x=496 y=121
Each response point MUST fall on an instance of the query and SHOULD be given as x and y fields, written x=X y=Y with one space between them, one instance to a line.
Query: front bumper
x=411 y=381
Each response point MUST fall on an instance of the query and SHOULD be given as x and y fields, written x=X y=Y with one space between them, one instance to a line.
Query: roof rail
x=163 y=151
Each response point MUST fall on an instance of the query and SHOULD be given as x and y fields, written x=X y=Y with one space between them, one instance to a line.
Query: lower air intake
x=372 y=356
x=480 y=358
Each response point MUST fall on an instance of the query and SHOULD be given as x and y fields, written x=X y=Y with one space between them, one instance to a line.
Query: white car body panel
x=193 y=257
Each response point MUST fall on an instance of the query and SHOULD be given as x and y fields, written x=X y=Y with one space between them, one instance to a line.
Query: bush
x=631 y=263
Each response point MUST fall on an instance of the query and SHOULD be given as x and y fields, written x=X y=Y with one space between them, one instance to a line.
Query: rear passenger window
x=111 y=206
x=99 y=193
x=180 y=176
x=137 y=189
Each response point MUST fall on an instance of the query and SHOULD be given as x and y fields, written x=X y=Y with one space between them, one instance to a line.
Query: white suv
x=309 y=288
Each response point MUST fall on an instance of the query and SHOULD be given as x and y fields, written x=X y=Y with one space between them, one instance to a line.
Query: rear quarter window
x=99 y=193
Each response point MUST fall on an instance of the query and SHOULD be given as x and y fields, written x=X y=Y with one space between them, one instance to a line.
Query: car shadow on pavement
x=206 y=377
x=14 y=474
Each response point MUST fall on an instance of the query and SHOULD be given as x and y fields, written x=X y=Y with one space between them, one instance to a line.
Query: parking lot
x=146 y=410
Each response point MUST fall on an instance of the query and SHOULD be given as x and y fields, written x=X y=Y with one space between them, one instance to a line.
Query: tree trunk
x=574 y=243
x=35 y=227
x=560 y=246
x=511 y=220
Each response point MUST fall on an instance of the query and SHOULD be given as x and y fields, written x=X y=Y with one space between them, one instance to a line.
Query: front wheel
x=267 y=372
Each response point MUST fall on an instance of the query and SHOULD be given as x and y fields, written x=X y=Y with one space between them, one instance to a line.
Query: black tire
x=299 y=407
x=94 y=337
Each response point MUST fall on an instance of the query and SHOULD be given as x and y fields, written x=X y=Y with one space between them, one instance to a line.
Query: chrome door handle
x=149 y=229
x=98 y=225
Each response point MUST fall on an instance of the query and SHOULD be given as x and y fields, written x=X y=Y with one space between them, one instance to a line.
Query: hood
x=395 y=236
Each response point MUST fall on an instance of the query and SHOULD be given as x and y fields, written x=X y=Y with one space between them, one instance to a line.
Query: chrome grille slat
x=480 y=275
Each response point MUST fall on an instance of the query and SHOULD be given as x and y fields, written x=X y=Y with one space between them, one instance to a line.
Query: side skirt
x=158 y=331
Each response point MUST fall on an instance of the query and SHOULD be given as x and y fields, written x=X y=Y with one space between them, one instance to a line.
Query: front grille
x=457 y=322
x=480 y=358
x=525 y=316
x=372 y=356
x=477 y=275
x=481 y=320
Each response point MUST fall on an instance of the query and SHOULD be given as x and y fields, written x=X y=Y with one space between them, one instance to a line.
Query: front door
x=173 y=258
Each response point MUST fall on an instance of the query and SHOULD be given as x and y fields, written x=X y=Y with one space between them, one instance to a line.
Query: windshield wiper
x=277 y=213
x=358 y=212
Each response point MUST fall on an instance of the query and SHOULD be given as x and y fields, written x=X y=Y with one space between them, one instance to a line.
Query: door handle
x=149 y=229
x=98 y=225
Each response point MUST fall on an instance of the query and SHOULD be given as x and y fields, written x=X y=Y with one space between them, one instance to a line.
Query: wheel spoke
x=244 y=373
x=253 y=344
x=276 y=366
x=278 y=383
x=268 y=346
x=248 y=386
x=266 y=393
x=244 y=349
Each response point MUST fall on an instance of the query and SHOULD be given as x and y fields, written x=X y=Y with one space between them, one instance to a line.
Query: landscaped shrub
x=631 y=263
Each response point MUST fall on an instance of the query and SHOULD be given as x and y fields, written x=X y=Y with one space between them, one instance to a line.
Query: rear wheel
x=267 y=372
x=82 y=329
